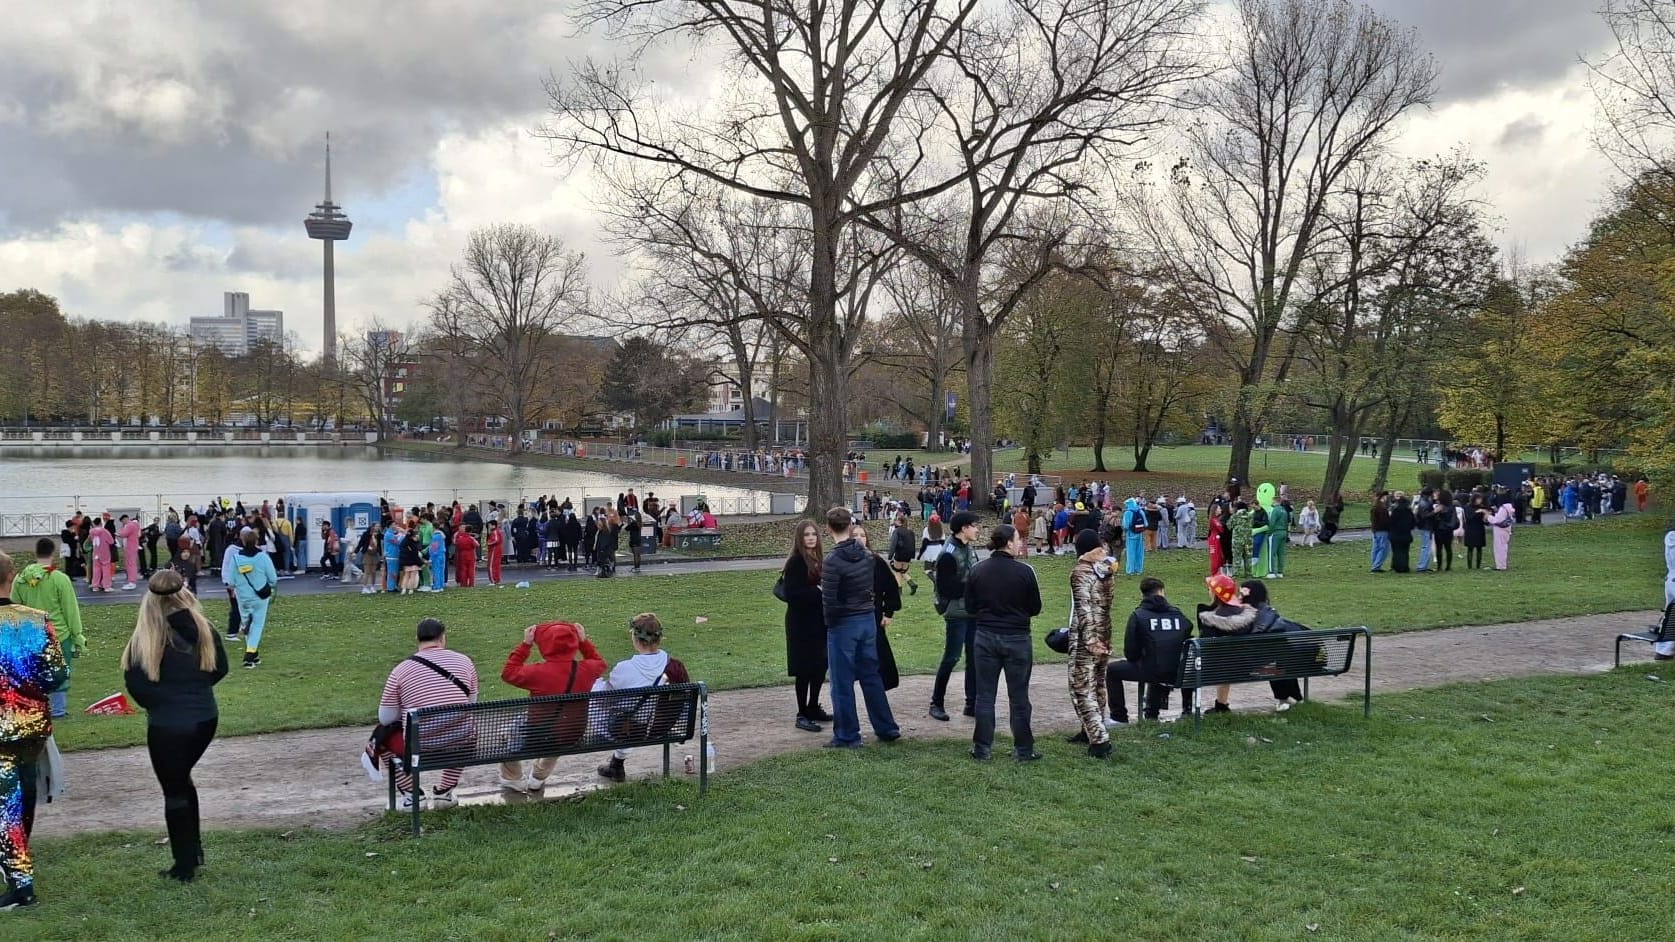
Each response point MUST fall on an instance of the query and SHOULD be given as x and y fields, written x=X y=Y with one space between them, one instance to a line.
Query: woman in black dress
x=1475 y=536
x=886 y=599
x=171 y=666
x=805 y=626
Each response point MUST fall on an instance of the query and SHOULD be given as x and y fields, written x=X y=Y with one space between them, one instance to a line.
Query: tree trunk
x=1099 y=420
x=1339 y=455
x=1240 y=436
x=1394 y=420
x=979 y=369
x=939 y=407
x=1034 y=461
x=828 y=393
x=1142 y=451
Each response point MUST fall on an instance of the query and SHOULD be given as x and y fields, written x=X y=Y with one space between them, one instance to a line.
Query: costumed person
x=493 y=541
x=31 y=665
x=465 y=558
x=1309 y=519
x=1186 y=521
x=104 y=571
x=1665 y=650
x=1258 y=534
x=1217 y=543
x=1500 y=523
x=1241 y=527
x=42 y=586
x=251 y=574
x=1090 y=641
x=1279 y=526
x=128 y=531
x=393 y=536
x=1134 y=536
x=438 y=560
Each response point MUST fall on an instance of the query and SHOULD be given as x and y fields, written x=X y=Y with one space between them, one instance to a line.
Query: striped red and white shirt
x=413 y=686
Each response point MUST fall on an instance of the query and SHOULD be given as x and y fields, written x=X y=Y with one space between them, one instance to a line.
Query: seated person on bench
x=1245 y=610
x=651 y=666
x=1152 y=643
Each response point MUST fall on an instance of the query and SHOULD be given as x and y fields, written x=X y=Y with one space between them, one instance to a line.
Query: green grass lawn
x=1517 y=810
x=325 y=657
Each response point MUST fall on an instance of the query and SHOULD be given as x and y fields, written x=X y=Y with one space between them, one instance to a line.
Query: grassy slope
x=1491 y=811
x=325 y=658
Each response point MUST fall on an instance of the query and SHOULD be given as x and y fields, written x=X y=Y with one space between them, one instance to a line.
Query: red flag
x=114 y=705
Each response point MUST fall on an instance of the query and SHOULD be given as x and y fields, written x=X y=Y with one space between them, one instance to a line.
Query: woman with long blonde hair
x=171 y=666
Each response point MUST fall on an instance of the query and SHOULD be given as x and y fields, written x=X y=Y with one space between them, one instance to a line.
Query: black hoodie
x=846 y=582
x=1157 y=633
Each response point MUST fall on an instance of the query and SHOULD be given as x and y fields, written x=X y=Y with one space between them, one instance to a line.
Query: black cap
x=963 y=519
x=431 y=628
x=1086 y=542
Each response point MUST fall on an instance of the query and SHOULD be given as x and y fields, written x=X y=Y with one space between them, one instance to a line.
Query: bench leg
x=665 y=760
x=415 y=798
x=703 y=741
x=389 y=774
x=1618 y=659
x=1305 y=689
x=1367 y=679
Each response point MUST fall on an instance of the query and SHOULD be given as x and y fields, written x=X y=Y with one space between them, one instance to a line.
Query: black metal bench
x=467 y=734
x=1657 y=634
x=1293 y=655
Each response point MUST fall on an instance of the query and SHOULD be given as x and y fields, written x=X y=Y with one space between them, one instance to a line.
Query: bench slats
x=466 y=734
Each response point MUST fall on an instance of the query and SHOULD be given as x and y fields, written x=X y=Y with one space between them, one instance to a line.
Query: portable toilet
x=348 y=513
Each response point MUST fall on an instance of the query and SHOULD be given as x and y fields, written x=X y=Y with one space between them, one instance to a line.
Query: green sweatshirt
x=51 y=591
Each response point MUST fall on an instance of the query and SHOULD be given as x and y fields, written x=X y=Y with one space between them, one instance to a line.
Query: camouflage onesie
x=1090 y=621
x=1241 y=527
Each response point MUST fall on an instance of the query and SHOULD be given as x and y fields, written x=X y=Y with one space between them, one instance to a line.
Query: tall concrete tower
x=328 y=224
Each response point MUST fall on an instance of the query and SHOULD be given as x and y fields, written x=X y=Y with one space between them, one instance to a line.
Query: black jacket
x=182 y=694
x=1157 y=633
x=846 y=582
x=1401 y=522
x=1002 y=594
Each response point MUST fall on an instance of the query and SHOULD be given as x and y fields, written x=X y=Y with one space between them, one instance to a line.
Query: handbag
x=625 y=723
x=1059 y=640
x=779 y=588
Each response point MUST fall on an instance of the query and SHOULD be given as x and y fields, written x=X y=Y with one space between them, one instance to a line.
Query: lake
x=57 y=480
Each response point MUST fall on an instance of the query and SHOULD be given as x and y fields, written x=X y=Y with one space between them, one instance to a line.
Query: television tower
x=328 y=224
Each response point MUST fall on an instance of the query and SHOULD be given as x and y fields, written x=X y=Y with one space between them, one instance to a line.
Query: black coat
x=887 y=596
x=1002 y=595
x=182 y=694
x=1401 y=523
x=805 y=622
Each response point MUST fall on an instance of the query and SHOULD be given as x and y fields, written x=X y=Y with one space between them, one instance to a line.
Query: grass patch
x=325 y=657
x=1490 y=811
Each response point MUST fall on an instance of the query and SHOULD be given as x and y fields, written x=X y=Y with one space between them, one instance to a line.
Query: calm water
x=49 y=480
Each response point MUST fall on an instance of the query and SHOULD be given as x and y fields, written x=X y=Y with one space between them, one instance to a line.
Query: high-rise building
x=328 y=224
x=239 y=329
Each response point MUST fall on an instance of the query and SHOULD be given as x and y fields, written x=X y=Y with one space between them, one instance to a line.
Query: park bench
x=697 y=538
x=467 y=734
x=1660 y=632
x=1292 y=655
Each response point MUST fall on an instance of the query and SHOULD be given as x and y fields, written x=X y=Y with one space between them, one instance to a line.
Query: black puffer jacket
x=1002 y=594
x=182 y=694
x=846 y=582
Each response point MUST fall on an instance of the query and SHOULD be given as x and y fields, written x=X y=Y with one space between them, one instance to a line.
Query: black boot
x=614 y=771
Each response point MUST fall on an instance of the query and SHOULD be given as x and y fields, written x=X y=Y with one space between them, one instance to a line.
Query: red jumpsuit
x=465 y=559
x=1216 y=560
x=493 y=543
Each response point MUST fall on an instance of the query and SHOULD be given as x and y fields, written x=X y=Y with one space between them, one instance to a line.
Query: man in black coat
x=1156 y=635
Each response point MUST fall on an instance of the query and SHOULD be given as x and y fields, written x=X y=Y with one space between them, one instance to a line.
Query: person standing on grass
x=171 y=666
x=31 y=665
x=438 y=552
x=1001 y=595
x=1381 y=530
x=393 y=536
x=465 y=558
x=1665 y=650
x=847 y=599
x=1445 y=519
x=431 y=676
x=569 y=664
x=42 y=586
x=370 y=550
x=1423 y=509
x=1500 y=523
x=1473 y=530
x=250 y=575
x=1309 y=520
x=805 y=626
x=902 y=553
x=412 y=557
x=953 y=568
x=1090 y=641
x=494 y=540
x=1186 y=522
x=886 y=595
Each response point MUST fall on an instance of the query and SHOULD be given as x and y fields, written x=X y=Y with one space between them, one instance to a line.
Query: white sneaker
x=1114 y=723
x=425 y=588
x=366 y=590
x=519 y=785
x=443 y=800
x=534 y=784
x=1283 y=705
x=129 y=586
x=404 y=801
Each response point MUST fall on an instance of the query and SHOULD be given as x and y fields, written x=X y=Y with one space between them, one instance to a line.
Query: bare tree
x=369 y=361
x=817 y=89
x=515 y=291
x=1634 y=85
x=1024 y=97
x=920 y=335
x=1311 y=89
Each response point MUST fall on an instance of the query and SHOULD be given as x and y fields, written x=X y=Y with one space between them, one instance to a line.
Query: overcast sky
x=154 y=155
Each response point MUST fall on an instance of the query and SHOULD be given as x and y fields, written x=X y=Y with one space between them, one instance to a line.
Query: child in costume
x=104 y=571
x=1218 y=559
x=392 y=555
x=129 y=533
x=465 y=558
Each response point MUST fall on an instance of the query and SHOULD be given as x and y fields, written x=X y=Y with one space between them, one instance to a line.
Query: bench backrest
x=465 y=734
x=1666 y=628
x=1234 y=659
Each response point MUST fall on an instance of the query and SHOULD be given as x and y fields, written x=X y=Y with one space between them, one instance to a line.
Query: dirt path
x=312 y=778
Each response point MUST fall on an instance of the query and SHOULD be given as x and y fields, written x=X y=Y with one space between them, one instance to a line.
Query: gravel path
x=312 y=778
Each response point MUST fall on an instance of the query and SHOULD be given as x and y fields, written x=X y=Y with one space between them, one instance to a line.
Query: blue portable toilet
x=349 y=514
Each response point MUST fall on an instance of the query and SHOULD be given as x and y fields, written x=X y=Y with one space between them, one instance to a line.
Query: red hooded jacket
x=558 y=673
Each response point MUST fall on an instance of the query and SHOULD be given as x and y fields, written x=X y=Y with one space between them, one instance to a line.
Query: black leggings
x=1445 y=552
x=174 y=751
x=808 y=693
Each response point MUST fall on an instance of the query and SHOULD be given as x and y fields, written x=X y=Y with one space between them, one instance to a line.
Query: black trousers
x=1157 y=695
x=994 y=653
x=1399 y=553
x=174 y=751
x=1445 y=550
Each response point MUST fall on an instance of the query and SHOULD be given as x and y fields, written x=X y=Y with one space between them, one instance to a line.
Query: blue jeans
x=1423 y=538
x=1381 y=549
x=852 y=651
x=958 y=637
x=60 y=699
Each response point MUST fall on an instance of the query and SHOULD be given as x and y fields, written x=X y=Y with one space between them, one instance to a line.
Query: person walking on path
x=42 y=586
x=171 y=666
x=128 y=531
x=805 y=626
x=1002 y=596
x=32 y=665
x=846 y=589
x=252 y=577
x=953 y=567
x=1090 y=641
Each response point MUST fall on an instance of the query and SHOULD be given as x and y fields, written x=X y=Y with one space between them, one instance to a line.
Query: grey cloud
x=1483 y=45
x=1524 y=132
